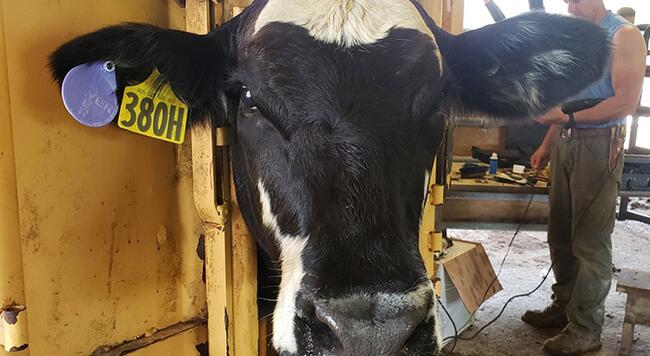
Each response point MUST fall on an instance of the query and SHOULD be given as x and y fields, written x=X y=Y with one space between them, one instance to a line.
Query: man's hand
x=540 y=158
x=554 y=116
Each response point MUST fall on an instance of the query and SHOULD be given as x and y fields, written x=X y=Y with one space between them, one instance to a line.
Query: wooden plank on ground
x=471 y=272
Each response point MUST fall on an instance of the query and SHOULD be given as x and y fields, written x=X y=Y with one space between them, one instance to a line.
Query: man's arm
x=540 y=158
x=628 y=70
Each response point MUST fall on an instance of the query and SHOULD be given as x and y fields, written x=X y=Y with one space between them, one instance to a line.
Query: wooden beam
x=434 y=8
x=452 y=15
x=197 y=16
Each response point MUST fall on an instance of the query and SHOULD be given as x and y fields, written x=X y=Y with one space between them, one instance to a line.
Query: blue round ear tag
x=88 y=92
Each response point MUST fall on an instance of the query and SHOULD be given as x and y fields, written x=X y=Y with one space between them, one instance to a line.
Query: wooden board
x=494 y=211
x=464 y=137
x=634 y=281
x=452 y=16
x=470 y=270
x=434 y=9
x=637 y=309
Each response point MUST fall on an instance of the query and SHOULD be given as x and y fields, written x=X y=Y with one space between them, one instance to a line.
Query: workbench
x=488 y=184
x=484 y=200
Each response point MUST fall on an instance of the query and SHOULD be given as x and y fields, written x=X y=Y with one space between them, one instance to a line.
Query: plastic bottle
x=494 y=163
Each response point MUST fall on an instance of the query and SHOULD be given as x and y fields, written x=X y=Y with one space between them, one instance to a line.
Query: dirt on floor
x=523 y=271
x=639 y=205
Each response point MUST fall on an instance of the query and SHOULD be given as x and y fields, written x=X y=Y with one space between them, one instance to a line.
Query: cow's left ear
x=522 y=66
x=197 y=66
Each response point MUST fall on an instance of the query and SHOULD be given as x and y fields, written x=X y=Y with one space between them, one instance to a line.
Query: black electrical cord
x=452 y=324
x=506 y=304
x=496 y=277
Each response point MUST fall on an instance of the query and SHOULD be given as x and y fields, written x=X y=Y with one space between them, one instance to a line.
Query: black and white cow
x=339 y=106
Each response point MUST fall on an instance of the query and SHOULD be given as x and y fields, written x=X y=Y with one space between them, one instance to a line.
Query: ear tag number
x=153 y=110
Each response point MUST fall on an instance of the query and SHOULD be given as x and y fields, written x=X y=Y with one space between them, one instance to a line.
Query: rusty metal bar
x=146 y=340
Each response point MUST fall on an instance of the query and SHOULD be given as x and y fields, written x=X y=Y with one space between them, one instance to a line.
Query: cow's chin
x=316 y=339
x=401 y=324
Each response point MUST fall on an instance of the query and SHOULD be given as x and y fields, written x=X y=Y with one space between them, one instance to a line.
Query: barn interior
x=114 y=243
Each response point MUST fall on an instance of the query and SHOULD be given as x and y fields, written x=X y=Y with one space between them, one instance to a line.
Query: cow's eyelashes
x=247 y=101
x=252 y=109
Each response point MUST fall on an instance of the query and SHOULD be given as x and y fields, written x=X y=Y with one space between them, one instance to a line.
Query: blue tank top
x=603 y=87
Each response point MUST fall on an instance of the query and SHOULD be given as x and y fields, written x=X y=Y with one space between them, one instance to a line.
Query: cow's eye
x=247 y=101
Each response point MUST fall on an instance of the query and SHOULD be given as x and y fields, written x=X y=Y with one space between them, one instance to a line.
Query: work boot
x=554 y=316
x=573 y=340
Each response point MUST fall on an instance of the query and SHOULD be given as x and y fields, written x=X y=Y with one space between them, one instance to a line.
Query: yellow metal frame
x=231 y=271
x=103 y=220
x=13 y=314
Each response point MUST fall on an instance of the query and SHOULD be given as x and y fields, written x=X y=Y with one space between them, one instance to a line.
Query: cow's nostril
x=365 y=327
x=325 y=340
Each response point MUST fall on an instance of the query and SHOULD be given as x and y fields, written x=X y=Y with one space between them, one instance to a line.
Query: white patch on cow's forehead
x=291 y=247
x=345 y=22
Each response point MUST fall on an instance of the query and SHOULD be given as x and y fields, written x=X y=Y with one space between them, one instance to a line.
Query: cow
x=338 y=107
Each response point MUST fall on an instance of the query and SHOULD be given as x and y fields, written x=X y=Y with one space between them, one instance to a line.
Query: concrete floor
x=523 y=271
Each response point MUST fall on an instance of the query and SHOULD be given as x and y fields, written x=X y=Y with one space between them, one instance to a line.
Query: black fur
x=487 y=63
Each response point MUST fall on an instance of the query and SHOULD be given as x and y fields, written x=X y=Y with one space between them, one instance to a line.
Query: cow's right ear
x=522 y=66
x=197 y=66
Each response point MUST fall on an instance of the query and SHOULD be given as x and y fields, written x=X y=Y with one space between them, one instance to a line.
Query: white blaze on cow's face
x=346 y=23
x=291 y=248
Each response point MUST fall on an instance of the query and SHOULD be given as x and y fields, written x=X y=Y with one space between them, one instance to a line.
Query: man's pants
x=582 y=199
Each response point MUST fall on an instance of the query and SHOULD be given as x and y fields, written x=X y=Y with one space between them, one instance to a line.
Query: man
x=585 y=154
x=534 y=5
x=627 y=13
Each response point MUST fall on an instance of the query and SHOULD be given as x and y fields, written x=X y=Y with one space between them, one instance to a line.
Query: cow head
x=339 y=106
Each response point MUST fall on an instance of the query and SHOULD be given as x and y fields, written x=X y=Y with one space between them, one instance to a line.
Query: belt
x=569 y=133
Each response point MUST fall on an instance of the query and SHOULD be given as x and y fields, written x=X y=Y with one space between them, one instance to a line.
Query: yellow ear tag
x=153 y=110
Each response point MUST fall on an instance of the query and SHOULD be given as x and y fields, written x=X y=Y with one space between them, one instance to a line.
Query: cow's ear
x=522 y=66
x=197 y=66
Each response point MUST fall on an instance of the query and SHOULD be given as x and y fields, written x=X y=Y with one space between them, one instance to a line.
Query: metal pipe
x=13 y=316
